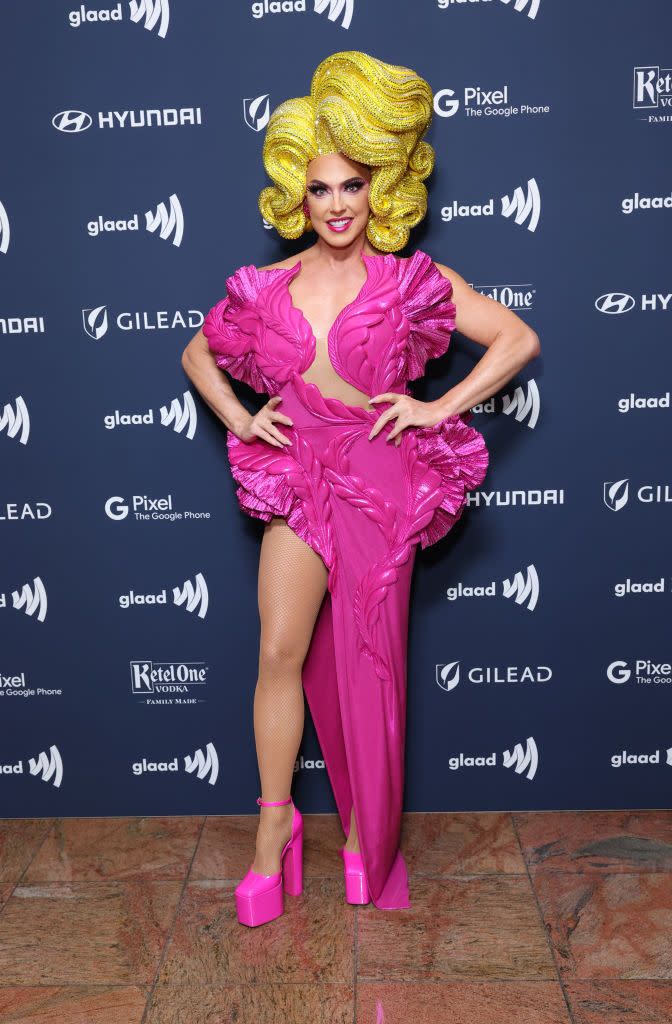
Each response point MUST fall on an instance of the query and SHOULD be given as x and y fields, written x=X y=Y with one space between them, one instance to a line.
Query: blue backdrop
x=539 y=649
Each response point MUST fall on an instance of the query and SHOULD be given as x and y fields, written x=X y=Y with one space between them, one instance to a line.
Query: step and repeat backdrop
x=539 y=668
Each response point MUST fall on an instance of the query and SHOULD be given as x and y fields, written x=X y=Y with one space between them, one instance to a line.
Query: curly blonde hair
x=373 y=113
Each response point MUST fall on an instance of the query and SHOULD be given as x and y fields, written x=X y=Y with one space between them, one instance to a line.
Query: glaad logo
x=15 y=422
x=521 y=759
x=529 y=7
x=168 y=220
x=477 y=102
x=615 y=494
x=257 y=112
x=516 y=297
x=194 y=596
x=522 y=206
x=523 y=405
x=448 y=675
x=73 y=121
x=305 y=764
x=625 y=758
x=621 y=302
x=47 y=768
x=96 y=321
x=181 y=416
x=31 y=599
x=145 y=508
x=334 y=9
x=634 y=401
x=652 y=90
x=637 y=202
x=523 y=589
x=628 y=587
x=645 y=672
x=206 y=766
x=149 y=13
x=4 y=229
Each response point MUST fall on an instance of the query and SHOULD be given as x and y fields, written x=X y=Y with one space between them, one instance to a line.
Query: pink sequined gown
x=362 y=505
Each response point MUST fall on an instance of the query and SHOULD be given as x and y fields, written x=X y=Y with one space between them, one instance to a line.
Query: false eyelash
x=316 y=188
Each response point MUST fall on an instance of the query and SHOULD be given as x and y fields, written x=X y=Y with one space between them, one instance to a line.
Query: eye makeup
x=316 y=187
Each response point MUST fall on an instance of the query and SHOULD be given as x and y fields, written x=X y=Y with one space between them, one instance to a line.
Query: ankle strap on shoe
x=273 y=803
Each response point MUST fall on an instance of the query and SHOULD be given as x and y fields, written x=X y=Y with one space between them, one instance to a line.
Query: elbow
x=532 y=345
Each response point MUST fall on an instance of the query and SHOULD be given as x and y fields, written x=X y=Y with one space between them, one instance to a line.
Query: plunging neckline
x=297 y=267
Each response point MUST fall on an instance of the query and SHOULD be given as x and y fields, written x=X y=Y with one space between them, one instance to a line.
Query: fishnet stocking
x=292 y=584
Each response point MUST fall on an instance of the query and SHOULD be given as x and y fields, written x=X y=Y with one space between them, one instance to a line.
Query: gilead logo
x=28 y=510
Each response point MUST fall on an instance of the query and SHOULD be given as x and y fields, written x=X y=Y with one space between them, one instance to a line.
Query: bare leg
x=292 y=584
x=352 y=842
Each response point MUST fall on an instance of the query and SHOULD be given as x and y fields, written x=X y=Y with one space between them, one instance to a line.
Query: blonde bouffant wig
x=373 y=113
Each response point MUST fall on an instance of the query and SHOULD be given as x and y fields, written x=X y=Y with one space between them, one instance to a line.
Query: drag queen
x=349 y=471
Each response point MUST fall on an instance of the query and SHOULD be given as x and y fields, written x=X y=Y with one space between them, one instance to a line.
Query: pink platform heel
x=259 y=898
x=356 y=888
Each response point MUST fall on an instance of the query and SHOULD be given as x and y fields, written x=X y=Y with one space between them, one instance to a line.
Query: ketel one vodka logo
x=31 y=599
x=193 y=596
x=47 y=767
x=652 y=88
x=205 y=766
x=180 y=416
x=15 y=420
x=154 y=15
x=518 y=297
x=167 y=677
x=167 y=220
x=523 y=206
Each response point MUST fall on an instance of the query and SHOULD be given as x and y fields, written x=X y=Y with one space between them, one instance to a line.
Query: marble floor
x=523 y=918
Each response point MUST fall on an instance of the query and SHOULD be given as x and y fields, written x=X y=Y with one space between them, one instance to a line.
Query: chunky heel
x=356 y=887
x=260 y=898
x=292 y=866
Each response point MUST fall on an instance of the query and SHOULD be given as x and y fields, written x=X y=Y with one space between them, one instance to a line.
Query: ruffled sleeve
x=426 y=303
x=232 y=326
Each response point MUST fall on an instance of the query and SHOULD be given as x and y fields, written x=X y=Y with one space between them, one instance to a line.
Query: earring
x=305 y=208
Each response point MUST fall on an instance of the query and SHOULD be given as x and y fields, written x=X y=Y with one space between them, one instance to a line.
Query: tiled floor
x=535 y=918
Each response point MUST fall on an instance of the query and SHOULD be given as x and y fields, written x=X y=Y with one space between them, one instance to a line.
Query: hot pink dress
x=362 y=505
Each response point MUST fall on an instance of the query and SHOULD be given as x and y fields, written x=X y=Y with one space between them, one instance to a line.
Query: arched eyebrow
x=317 y=181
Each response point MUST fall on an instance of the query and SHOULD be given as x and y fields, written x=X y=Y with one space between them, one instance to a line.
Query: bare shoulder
x=451 y=274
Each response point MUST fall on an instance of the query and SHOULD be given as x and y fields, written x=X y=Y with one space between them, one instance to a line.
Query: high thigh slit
x=363 y=505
